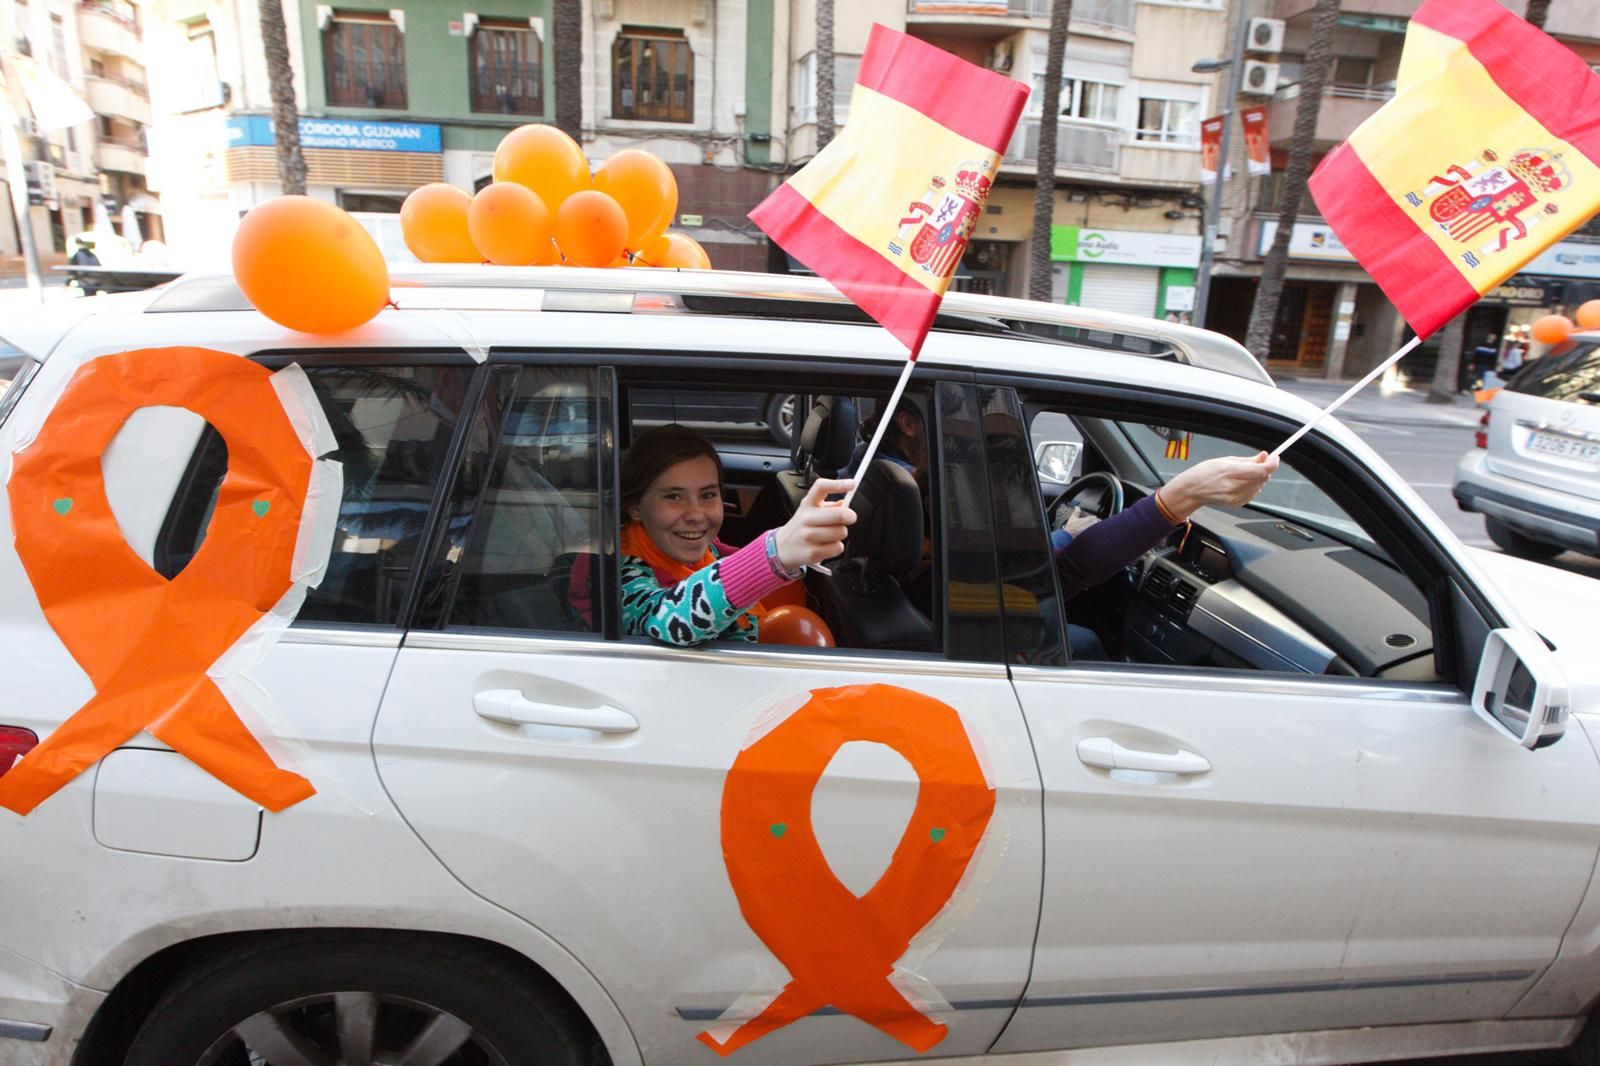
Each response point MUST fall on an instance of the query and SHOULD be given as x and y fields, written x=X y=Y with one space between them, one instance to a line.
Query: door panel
x=610 y=842
x=1356 y=854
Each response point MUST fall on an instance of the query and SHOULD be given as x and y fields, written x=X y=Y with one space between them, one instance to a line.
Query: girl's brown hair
x=653 y=452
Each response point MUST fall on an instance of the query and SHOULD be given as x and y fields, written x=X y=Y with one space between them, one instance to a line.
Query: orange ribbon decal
x=146 y=642
x=840 y=949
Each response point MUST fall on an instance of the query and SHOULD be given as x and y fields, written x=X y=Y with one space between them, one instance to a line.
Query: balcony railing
x=1112 y=14
x=122 y=16
x=1078 y=147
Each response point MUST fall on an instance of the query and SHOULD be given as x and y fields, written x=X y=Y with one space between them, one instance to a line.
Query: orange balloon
x=652 y=252
x=798 y=626
x=685 y=253
x=433 y=221
x=645 y=188
x=620 y=261
x=307 y=265
x=1552 y=329
x=1589 y=315
x=511 y=226
x=591 y=228
x=545 y=160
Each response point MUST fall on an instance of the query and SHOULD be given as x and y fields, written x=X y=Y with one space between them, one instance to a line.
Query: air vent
x=1399 y=640
x=1158 y=584
x=1184 y=595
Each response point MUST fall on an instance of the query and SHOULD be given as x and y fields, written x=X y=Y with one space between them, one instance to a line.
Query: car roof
x=708 y=295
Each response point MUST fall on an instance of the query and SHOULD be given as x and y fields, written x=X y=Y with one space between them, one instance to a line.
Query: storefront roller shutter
x=1132 y=289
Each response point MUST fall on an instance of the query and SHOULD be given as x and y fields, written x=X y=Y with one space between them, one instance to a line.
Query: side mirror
x=1056 y=459
x=1521 y=690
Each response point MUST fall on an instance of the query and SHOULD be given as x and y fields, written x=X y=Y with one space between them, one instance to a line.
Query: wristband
x=1166 y=512
x=773 y=561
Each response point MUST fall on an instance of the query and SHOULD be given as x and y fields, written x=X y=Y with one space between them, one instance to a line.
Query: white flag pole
x=877 y=434
x=1351 y=391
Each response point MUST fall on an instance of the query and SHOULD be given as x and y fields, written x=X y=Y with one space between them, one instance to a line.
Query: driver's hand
x=1079 y=520
x=1230 y=480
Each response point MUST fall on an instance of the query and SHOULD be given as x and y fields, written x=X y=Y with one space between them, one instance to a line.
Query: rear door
x=578 y=780
x=1545 y=425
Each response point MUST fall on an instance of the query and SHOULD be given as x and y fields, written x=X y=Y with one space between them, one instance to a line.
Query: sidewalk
x=1385 y=401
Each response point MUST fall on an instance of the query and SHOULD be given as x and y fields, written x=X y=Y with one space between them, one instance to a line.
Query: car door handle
x=1107 y=754
x=512 y=707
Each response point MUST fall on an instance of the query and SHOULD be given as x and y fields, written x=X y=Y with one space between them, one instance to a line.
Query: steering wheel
x=1110 y=501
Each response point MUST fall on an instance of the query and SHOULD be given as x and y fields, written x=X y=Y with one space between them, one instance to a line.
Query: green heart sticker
x=261 y=507
x=63 y=505
x=936 y=835
x=779 y=828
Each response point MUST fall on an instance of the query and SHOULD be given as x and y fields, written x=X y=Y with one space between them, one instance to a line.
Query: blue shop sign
x=349 y=133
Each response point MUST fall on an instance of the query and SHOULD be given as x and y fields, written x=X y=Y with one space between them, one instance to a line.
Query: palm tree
x=1537 y=11
x=825 y=129
x=1446 y=372
x=280 y=82
x=1314 y=75
x=567 y=26
x=1044 y=184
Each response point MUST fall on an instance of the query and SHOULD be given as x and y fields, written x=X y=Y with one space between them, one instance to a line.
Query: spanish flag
x=886 y=209
x=1488 y=154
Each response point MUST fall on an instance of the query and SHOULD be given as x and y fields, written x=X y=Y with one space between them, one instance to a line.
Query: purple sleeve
x=1108 y=546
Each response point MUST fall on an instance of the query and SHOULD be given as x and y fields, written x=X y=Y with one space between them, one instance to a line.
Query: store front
x=346 y=159
x=1134 y=272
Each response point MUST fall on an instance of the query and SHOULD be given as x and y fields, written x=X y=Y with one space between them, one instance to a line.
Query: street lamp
x=1208 y=239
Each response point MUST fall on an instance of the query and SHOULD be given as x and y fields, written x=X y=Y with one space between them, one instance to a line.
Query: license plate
x=1552 y=444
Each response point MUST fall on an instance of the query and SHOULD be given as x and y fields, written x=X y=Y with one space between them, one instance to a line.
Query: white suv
x=1535 y=474
x=1322 y=781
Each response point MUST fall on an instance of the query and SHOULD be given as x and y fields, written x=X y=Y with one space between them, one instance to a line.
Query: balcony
x=105 y=28
x=1402 y=9
x=1086 y=14
x=119 y=154
x=1078 y=146
x=1344 y=107
x=120 y=98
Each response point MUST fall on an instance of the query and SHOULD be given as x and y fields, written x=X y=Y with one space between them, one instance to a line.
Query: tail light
x=1480 y=439
x=15 y=742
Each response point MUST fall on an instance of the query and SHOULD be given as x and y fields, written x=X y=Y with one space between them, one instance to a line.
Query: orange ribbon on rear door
x=146 y=642
x=840 y=949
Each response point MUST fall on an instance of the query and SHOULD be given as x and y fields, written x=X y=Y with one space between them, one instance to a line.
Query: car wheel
x=356 y=1002
x=1522 y=546
x=780 y=418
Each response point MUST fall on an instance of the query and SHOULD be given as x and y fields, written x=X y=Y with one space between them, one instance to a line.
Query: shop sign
x=1568 y=259
x=350 y=134
x=1514 y=293
x=1085 y=244
x=1310 y=240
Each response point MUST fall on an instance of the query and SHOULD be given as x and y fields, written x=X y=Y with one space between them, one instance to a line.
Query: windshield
x=1573 y=375
x=1287 y=495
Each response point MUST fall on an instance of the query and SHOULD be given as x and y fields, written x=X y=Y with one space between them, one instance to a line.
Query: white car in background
x=1331 y=795
x=1535 y=472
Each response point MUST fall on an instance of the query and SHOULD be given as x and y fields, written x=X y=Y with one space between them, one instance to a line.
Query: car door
x=1235 y=851
x=577 y=779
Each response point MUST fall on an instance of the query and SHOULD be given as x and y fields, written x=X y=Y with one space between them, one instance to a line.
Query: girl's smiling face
x=682 y=509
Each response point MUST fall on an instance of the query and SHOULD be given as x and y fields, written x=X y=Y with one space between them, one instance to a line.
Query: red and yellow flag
x=1488 y=154
x=885 y=210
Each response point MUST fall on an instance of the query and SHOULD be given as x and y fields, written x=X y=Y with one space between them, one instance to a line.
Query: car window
x=16 y=369
x=522 y=530
x=393 y=427
x=1572 y=375
x=1289 y=583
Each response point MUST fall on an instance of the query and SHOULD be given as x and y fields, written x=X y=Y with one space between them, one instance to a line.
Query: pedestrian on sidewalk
x=1484 y=358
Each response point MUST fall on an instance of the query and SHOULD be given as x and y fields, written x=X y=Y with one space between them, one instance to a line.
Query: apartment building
x=1332 y=319
x=94 y=173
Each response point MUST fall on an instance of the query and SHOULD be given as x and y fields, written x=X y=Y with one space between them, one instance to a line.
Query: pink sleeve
x=747 y=576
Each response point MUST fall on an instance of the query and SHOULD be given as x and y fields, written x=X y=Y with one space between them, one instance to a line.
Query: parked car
x=774 y=411
x=1535 y=471
x=1333 y=787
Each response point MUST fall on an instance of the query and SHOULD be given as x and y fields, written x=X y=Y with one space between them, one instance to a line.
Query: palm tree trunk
x=285 y=114
x=825 y=130
x=1537 y=11
x=567 y=26
x=1044 y=184
x=1314 y=75
x=1446 y=372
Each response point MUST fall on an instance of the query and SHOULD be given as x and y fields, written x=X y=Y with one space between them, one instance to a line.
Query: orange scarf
x=637 y=543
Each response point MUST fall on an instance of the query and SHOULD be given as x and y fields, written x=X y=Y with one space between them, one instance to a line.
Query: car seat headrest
x=828 y=438
x=888 y=529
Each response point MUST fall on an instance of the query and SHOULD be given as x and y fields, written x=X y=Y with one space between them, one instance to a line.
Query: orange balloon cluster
x=308 y=265
x=1552 y=329
x=544 y=208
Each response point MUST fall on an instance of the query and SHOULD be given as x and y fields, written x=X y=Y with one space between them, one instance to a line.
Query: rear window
x=15 y=370
x=1567 y=373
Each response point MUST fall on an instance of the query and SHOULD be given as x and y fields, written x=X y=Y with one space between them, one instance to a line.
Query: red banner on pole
x=1210 y=149
x=1256 y=143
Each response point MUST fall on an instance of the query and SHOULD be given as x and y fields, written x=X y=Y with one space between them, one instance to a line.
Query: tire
x=356 y=1000
x=781 y=418
x=1522 y=546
